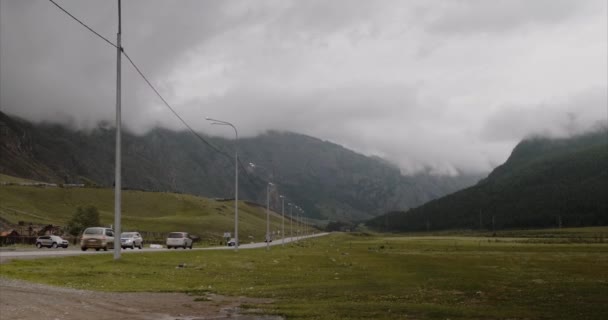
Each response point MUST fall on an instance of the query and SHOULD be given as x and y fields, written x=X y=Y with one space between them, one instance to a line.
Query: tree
x=84 y=217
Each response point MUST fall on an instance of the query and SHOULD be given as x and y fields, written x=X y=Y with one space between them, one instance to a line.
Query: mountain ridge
x=329 y=181
x=544 y=183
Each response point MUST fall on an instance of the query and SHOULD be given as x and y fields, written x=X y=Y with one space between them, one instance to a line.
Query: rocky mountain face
x=544 y=183
x=327 y=180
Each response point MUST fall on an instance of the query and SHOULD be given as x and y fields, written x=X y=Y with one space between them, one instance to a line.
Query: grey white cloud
x=446 y=86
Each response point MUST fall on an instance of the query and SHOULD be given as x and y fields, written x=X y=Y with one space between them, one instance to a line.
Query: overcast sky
x=442 y=85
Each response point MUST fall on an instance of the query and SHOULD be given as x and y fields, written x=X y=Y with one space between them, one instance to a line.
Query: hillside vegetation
x=153 y=212
x=327 y=180
x=544 y=183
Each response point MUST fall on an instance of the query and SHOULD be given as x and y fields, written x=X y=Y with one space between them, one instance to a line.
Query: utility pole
x=236 y=178
x=291 y=221
x=297 y=225
x=117 y=174
x=283 y=221
x=268 y=186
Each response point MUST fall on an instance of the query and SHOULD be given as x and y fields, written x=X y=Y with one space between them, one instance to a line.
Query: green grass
x=10 y=179
x=152 y=212
x=363 y=276
x=563 y=235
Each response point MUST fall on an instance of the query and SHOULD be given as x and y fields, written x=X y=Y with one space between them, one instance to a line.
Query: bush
x=84 y=217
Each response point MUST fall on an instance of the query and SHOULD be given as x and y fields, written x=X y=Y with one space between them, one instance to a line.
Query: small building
x=9 y=237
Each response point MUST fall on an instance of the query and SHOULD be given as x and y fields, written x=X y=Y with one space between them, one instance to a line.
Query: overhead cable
x=83 y=24
x=214 y=148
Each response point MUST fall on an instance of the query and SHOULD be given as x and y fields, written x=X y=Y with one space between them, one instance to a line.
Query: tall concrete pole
x=117 y=173
x=291 y=221
x=236 y=193
x=236 y=178
x=268 y=215
x=283 y=222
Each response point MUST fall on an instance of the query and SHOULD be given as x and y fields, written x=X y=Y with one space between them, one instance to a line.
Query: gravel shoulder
x=32 y=301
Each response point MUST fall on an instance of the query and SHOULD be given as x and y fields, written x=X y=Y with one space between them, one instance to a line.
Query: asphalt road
x=34 y=253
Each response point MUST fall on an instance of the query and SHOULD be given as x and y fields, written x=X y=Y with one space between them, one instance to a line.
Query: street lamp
x=270 y=185
x=304 y=224
x=291 y=221
x=298 y=224
x=236 y=178
x=283 y=221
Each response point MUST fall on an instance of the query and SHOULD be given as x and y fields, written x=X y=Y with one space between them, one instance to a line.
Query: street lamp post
x=304 y=225
x=298 y=225
x=283 y=221
x=291 y=221
x=270 y=184
x=301 y=222
x=236 y=179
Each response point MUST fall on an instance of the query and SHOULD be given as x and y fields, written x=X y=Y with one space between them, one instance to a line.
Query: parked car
x=231 y=242
x=97 y=238
x=179 y=239
x=131 y=240
x=51 y=242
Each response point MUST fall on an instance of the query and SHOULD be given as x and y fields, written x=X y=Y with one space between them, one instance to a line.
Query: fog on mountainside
x=544 y=183
x=329 y=181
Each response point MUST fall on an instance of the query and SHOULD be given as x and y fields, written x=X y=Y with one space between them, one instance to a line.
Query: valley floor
x=531 y=274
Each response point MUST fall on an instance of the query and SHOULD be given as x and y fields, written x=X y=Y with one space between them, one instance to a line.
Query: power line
x=182 y=120
x=214 y=148
x=169 y=106
x=83 y=24
x=144 y=77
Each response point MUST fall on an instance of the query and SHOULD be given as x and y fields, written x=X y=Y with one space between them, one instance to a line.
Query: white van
x=179 y=239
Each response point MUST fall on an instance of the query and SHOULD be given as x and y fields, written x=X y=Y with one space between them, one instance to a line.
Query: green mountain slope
x=544 y=183
x=327 y=180
x=150 y=212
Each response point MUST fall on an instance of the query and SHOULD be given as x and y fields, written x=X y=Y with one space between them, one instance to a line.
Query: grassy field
x=563 y=235
x=363 y=276
x=152 y=212
x=10 y=179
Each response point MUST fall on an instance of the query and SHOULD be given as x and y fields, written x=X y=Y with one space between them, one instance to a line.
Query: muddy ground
x=30 y=301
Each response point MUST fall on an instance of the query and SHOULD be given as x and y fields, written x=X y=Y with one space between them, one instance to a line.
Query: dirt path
x=30 y=301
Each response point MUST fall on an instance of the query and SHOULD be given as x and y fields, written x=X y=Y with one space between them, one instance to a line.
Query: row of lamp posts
x=269 y=186
x=299 y=223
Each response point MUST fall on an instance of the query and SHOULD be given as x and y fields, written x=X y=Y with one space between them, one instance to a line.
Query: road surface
x=75 y=250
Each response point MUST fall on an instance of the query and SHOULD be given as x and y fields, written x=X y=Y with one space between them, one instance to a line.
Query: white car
x=51 y=242
x=179 y=239
x=131 y=240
